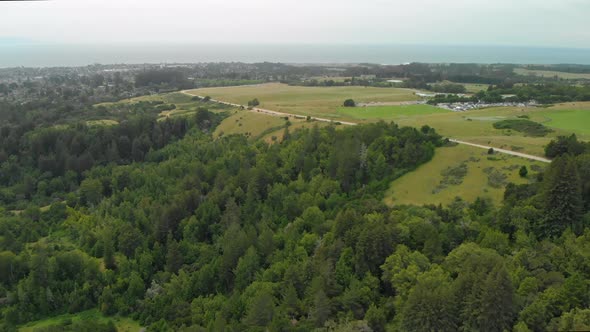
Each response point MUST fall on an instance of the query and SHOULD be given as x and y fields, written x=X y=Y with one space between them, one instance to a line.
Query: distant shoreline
x=56 y=55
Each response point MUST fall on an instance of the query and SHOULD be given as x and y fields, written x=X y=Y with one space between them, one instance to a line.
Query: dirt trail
x=513 y=153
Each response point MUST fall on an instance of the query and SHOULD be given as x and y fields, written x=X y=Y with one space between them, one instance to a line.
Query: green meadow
x=122 y=324
x=314 y=101
x=481 y=175
x=390 y=112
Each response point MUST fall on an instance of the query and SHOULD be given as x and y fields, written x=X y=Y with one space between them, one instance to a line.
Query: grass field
x=258 y=125
x=105 y=122
x=390 y=112
x=473 y=126
x=185 y=106
x=249 y=123
x=122 y=324
x=315 y=101
x=477 y=126
x=423 y=186
x=574 y=120
x=473 y=87
x=549 y=73
x=295 y=125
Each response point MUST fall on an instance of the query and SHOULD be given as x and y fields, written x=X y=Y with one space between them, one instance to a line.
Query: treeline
x=565 y=68
x=164 y=78
x=541 y=93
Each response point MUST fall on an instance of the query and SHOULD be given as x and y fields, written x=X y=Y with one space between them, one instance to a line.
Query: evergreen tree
x=497 y=301
x=174 y=259
x=261 y=310
x=562 y=197
x=431 y=305
x=109 y=252
x=321 y=308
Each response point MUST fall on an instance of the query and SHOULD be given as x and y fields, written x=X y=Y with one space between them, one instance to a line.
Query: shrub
x=523 y=172
x=349 y=103
x=254 y=102
x=529 y=128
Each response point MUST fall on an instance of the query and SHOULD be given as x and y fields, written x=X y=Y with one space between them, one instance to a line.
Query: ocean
x=15 y=54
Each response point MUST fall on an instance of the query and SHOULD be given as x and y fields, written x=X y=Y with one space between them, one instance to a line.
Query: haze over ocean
x=17 y=53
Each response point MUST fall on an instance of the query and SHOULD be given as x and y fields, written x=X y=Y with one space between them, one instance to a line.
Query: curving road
x=298 y=116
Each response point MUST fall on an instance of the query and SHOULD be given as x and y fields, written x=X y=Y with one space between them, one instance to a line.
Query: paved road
x=513 y=153
x=282 y=114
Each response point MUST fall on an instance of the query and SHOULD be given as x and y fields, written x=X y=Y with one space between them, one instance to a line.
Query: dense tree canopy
x=182 y=231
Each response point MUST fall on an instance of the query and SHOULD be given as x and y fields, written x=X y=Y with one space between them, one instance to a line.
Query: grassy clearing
x=104 y=122
x=389 y=112
x=278 y=134
x=123 y=324
x=474 y=87
x=315 y=101
x=249 y=123
x=577 y=121
x=477 y=126
x=549 y=73
x=463 y=171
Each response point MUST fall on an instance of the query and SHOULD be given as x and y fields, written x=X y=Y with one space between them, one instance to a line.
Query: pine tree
x=261 y=310
x=174 y=259
x=563 y=197
x=109 y=252
x=321 y=308
x=497 y=301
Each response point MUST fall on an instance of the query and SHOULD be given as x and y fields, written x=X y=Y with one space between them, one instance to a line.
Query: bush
x=523 y=172
x=529 y=128
x=349 y=103
x=254 y=102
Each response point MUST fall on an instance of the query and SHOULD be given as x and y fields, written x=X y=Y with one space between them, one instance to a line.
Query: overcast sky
x=560 y=23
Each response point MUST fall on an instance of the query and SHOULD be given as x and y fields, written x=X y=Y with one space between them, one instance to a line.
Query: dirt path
x=297 y=116
x=513 y=153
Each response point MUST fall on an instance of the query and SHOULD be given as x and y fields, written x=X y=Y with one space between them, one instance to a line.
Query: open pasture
x=463 y=171
x=315 y=101
x=390 y=112
x=477 y=126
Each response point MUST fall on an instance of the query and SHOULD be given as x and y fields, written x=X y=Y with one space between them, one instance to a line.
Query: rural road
x=282 y=114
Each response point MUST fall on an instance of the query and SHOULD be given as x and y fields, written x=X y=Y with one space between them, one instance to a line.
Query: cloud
x=524 y=22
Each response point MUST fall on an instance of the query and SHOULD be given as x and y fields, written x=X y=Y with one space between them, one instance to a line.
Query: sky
x=544 y=23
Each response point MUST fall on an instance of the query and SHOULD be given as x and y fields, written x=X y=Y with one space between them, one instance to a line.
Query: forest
x=160 y=222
